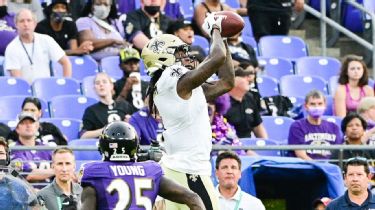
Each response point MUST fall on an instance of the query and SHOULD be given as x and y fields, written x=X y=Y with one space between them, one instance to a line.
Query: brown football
x=232 y=23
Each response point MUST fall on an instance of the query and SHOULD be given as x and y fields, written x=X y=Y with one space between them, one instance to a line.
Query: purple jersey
x=31 y=159
x=123 y=185
x=327 y=133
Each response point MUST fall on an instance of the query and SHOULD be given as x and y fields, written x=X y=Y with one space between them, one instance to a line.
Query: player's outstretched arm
x=208 y=67
x=88 y=198
x=226 y=78
x=172 y=191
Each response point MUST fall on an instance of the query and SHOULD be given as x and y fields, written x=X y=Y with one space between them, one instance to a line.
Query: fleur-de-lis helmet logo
x=157 y=46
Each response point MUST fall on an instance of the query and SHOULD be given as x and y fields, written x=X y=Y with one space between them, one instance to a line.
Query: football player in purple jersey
x=119 y=182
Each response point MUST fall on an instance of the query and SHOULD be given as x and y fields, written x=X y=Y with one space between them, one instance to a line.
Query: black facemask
x=3 y=162
x=152 y=10
x=58 y=17
x=3 y=11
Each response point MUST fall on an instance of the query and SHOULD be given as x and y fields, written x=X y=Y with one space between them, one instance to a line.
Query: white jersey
x=32 y=58
x=188 y=130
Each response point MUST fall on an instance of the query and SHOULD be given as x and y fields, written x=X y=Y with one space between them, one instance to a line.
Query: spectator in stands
x=145 y=23
x=321 y=203
x=148 y=126
x=36 y=163
x=244 y=111
x=47 y=133
x=183 y=29
x=29 y=55
x=100 y=24
x=228 y=172
x=200 y=11
x=15 y=6
x=7 y=26
x=353 y=126
x=313 y=130
x=271 y=17
x=366 y=108
x=63 y=31
x=357 y=177
x=352 y=86
x=106 y=110
x=223 y=133
x=63 y=192
x=241 y=52
x=130 y=87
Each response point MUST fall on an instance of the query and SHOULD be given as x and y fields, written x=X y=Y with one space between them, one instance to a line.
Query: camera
x=153 y=153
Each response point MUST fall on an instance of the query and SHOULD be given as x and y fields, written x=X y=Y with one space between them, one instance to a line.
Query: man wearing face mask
x=313 y=130
x=145 y=23
x=7 y=26
x=63 y=31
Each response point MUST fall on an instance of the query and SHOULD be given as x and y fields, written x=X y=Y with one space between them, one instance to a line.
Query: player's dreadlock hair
x=152 y=90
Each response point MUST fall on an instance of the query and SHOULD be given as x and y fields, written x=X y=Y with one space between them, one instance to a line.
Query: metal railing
x=325 y=20
x=340 y=160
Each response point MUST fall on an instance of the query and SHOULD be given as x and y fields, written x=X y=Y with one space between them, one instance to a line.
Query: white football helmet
x=159 y=52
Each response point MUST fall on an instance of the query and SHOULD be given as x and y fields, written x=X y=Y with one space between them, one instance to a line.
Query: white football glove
x=210 y=20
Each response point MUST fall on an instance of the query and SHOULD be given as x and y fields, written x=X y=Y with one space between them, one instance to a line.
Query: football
x=231 y=24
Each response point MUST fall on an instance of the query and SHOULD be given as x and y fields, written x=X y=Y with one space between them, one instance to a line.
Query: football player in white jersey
x=179 y=92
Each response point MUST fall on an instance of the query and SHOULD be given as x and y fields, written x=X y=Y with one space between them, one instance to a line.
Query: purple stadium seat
x=325 y=67
x=69 y=127
x=70 y=106
x=250 y=41
x=10 y=107
x=110 y=65
x=187 y=9
x=82 y=66
x=127 y=6
x=296 y=85
x=332 y=84
x=10 y=86
x=277 y=127
x=335 y=119
x=88 y=88
x=268 y=86
x=276 y=67
x=173 y=9
x=261 y=142
x=248 y=29
x=232 y=3
x=203 y=42
x=47 y=88
x=352 y=18
x=85 y=155
x=288 y=47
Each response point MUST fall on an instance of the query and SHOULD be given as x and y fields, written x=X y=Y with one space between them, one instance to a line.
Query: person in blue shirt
x=356 y=177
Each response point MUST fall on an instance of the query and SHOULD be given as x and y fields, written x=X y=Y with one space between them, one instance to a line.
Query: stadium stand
x=85 y=155
x=289 y=84
x=69 y=127
x=82 y=66
x=261 y=142
x=47 y=88
x=201 y=41
x=276 y=67
x=279 y=127
x=288 y=47
x=268 y=86
x=14 y=86
x=70 y=106
x=324 y=67
x=110 y=65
